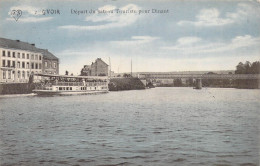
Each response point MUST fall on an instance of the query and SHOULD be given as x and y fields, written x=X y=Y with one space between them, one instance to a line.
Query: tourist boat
x=69 y=85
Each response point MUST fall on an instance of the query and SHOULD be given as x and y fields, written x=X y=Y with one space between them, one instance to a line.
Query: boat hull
x=62 y=93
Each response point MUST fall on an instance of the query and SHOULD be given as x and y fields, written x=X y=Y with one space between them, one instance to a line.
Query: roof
x=99 y=59
x=17 y=44
x=48 y=55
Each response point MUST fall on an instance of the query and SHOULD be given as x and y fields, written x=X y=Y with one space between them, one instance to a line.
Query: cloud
x=29 y=14
x=207 y=47
x=108 y=20
x=208 y=17
x=188 y=40
x=211 y=17
x=149 y=53
x=135 y=40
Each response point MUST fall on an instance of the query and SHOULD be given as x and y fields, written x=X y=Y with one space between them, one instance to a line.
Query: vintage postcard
x=120 y=82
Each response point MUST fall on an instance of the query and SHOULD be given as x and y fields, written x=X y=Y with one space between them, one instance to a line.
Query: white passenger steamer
x=70 y=85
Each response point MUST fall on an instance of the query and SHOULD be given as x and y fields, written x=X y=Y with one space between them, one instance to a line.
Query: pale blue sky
x=201 y=35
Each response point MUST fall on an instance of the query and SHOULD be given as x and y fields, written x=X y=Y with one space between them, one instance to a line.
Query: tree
x=247 y=68
x=255 y=68
x=66 y=72
x=127 y=75
x=240 y=69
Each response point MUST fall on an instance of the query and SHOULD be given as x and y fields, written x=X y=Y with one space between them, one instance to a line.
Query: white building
x=18 y=60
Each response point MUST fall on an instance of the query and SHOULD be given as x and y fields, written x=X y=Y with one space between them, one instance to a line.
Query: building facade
x=18 y=60
x=50 y=63
x=97 y=68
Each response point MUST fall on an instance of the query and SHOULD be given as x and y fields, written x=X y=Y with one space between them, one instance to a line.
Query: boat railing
x=95 y=83
x=68 y=84
x=79 y=83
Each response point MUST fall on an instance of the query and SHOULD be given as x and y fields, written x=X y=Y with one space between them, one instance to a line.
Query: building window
x=23 y=75
x=9 y=74
x=23 y=65
x=18 y=64
x=32 y=67
x=8 y=63
x=3 y=63
x=27 y=65
x=23 y=55
x=28 y=74
x=32 y=57
x=28 y=57
x=36 y=65
x=13 y=64
x=9 y=54
x=40 y=57
x=19 y=74
x=18 y=55
x=4 y=74
x=46 y=64
x=54 y=65
x=40 y=66
x=36 y=57
x=13 y=54
x=3 y=53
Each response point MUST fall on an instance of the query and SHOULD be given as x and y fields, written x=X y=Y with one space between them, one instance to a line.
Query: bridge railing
x=200 y=76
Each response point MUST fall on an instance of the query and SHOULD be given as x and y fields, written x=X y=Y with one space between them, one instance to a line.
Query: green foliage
x=247 y=68
x=127 y=75
x=118 y=84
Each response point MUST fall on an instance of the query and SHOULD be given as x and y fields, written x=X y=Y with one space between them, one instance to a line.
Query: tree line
x=247 y=68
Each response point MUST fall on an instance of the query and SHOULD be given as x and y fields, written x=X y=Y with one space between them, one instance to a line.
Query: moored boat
x=71 y=85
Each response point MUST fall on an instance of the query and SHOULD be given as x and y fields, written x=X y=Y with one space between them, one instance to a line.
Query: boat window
x=67 y=88
x=60 y=88
x=70 y=88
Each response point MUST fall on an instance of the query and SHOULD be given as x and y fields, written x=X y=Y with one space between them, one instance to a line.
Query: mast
x=109 y=67
x=131 y=68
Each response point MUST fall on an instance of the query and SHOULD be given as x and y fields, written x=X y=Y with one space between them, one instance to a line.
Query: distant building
x=20 y=59
x=86 y=71
x=50 y=63
x=97 y=68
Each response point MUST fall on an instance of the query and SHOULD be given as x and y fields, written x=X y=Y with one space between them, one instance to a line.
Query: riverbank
x=119 y=84
x=116 y=84
x=16 y=88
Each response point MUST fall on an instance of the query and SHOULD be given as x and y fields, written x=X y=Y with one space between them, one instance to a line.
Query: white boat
x=71 y=85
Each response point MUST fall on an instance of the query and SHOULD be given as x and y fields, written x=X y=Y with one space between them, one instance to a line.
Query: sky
x=157 y=35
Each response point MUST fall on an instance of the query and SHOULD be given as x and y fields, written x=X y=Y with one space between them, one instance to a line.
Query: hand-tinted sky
x=201 y=35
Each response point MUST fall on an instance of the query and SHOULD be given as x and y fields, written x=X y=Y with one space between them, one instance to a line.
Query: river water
x=160 y=126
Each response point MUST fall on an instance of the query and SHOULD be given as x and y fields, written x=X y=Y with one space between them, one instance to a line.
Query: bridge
x=198 y=77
